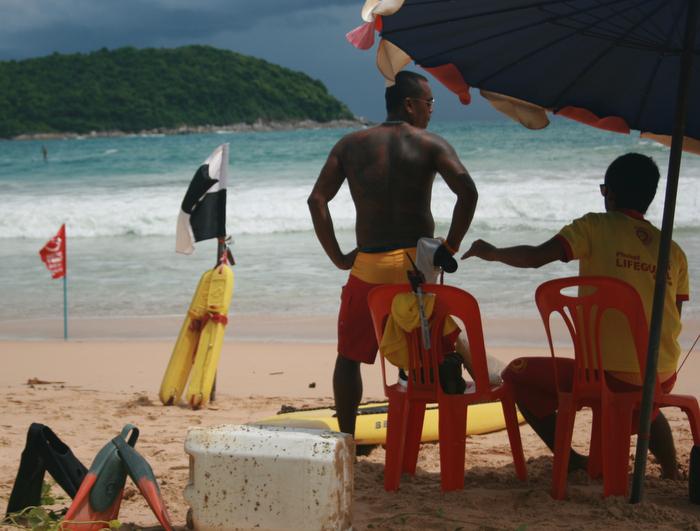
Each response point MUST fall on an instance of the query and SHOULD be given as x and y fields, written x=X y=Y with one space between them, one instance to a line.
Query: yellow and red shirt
x=623 y=245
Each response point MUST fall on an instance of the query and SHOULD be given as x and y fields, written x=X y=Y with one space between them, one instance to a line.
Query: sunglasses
x=430 y=102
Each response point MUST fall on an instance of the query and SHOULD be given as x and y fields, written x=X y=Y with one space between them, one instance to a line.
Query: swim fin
x=44 y=451
x=100 y=495
x=142 y=475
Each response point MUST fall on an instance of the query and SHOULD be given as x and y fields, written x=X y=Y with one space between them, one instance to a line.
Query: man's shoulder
x=591 y=218
x=353 y=134
x=381 y=131
x=348 y=140
x=359 y=135
x=428 y=141
x=430 y=136
x=678 y=251
x=590 y=223
x=607 y=220
x=610 y=217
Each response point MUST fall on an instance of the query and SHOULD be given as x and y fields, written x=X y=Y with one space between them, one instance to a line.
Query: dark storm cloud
x=78 y=25
x=306 y=35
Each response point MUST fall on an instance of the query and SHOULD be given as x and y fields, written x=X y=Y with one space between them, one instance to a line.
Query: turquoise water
x=120 y=197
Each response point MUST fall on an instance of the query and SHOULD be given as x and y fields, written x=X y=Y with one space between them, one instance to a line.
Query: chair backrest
x=423 y=381
x=583 y=316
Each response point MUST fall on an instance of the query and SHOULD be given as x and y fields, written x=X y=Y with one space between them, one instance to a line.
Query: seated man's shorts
x=534 y=388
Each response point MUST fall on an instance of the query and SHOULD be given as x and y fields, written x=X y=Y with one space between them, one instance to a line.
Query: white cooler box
x=269 y=477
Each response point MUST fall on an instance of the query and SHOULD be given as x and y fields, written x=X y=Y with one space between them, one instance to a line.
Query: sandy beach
x=83 y=154
x=96 y=385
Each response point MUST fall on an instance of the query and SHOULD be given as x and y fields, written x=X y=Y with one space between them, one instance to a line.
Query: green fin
x=110 y=472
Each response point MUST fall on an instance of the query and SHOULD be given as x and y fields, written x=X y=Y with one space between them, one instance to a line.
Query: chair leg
x=617 y=431
x=397 y=417
x=693 y=413
x=566 y=415
x=516 y=445
x=452 y=426
x=595 y=458
x=415 y=417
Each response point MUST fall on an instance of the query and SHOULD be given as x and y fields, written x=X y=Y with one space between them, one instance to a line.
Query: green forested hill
x=131 y=90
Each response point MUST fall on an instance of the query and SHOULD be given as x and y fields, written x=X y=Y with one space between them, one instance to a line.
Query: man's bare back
x=390 y=170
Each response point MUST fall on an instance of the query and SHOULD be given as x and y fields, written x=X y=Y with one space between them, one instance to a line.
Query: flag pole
x=65 y=308
x=65 y=287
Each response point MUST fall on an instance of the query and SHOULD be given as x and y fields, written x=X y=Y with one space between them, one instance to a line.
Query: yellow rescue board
x=198 y=347
x=371 y=422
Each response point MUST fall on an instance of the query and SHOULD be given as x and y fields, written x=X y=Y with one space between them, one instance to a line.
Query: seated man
x=619 y=243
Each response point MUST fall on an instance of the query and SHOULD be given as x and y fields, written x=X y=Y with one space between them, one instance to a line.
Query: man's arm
x=520 y=255
x=327 y=185
x=460 y=182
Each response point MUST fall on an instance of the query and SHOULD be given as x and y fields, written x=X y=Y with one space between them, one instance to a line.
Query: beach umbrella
x=614 y=64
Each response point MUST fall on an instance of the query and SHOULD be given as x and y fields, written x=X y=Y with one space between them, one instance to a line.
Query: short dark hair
x=633 y=179
x=407 y=85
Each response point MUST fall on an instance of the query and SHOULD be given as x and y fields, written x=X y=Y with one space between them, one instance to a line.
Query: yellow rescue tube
x=181 y=359
x=371 y=422
x=211 y=337
x=198 y=346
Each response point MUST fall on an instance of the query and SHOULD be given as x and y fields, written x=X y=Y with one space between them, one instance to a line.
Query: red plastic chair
x=613 y=412
x=407 y=404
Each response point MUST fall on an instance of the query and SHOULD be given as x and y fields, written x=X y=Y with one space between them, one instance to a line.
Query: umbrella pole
x=674 y=165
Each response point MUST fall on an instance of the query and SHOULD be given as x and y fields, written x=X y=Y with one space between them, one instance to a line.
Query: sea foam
x=506 y=201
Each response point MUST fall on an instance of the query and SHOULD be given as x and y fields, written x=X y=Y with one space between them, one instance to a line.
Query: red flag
x=53 y=254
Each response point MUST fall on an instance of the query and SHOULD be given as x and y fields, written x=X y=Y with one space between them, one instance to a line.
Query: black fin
x=44 y=451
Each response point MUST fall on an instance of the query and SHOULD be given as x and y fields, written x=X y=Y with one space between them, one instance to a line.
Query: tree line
x=131 y=89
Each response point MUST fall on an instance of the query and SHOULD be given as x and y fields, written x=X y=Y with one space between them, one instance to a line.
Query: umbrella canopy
x=614 y=64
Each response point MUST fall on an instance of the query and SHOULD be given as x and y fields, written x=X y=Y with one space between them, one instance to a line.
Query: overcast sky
x=306 y=35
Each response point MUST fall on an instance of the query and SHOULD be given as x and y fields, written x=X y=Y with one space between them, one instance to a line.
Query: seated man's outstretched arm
x=520 y=255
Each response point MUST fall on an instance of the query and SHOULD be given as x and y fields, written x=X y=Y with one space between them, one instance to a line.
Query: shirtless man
x=390 y=169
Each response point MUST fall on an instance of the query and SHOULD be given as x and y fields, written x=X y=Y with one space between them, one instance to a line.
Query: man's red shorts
x=356 y=340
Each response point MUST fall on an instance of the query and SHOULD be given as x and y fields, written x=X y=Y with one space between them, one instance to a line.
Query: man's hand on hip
x=347 y=260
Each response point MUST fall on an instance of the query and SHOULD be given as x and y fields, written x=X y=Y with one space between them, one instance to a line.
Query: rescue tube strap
x=197 y=325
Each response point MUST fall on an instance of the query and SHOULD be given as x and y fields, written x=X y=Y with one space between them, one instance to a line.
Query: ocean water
x=120 y=197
